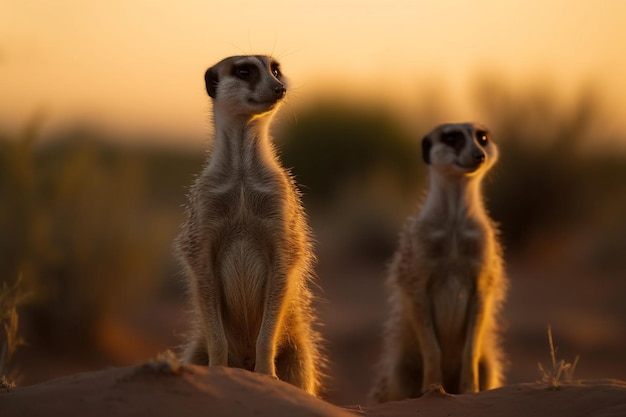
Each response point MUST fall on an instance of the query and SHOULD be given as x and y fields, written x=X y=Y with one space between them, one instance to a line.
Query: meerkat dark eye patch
x=482 y=137
x=454 y=139
x=245 y=71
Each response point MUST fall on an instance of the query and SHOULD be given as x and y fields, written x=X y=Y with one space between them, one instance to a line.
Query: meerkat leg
x=422 y=323
x=196 y=351
x=406 y=379
x=211 y=316
x=205 y=289
x=294 y=364
x=490 y=368
x=485 y=373
x=475 y=326
x=380 y=390
x=273 y=316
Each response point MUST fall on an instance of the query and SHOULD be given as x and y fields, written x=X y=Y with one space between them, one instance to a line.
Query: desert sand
x=164 y=388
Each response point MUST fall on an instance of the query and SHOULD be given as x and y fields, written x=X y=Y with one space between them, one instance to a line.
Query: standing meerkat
x=446 y=283
x=246 y=244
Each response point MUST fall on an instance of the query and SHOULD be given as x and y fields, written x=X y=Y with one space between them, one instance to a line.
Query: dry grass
x=560 y=369
x=5 y=384
x=76 y=223
x=11 y=297
x=167 y=363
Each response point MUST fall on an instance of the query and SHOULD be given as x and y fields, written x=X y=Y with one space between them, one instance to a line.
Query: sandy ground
x=163 y=388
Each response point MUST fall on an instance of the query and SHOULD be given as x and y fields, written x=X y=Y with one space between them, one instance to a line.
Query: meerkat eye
x=244 y=71
x=482 y=137
x=275 y=70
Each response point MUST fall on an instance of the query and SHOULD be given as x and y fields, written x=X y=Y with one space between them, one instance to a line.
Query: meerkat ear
x=426 y=145
x=211 y=79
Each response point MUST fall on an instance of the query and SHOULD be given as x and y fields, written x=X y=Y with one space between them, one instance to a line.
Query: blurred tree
x=334 y=143
x=358 y=170
x=542 y=180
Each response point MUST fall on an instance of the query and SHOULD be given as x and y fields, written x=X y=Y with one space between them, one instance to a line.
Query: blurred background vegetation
x=88 y=221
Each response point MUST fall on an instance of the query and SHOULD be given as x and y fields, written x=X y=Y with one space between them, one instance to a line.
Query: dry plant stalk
x=10 y=298
x=552 y=376
x=167 y=362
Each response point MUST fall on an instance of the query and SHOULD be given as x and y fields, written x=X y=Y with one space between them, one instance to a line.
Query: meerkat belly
x=452 y=287
x=450 y=305
x=244 y=270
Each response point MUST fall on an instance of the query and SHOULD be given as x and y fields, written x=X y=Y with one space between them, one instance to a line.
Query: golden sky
x=138 y=65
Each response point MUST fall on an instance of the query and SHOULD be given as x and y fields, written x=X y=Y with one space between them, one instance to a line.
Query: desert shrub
x=75 y=222
x=358 y=168
x=334 y=143
x=554 y=173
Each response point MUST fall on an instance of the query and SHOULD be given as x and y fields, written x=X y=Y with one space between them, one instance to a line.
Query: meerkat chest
x=244 y=201
x=459 y=245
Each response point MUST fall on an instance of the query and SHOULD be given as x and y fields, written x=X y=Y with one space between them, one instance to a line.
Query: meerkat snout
x=280 y=91
x=479 y=156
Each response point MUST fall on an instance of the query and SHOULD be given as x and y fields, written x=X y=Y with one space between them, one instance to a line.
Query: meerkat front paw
x=268 y=374
x=218 y=353
x=274 y=377
x=468 y=388
x=469 y=384
x=266 y=369
x=433 y=379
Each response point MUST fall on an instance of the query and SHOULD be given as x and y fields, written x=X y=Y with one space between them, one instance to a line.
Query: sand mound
x=158 y=389
x=163 y=388
x=589 y=398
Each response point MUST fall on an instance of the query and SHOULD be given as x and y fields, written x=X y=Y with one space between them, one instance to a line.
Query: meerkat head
x=459 y=149
x=248 y=85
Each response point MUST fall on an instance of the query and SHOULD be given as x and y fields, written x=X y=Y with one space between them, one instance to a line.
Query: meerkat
x=446 y=281
x=246 y=245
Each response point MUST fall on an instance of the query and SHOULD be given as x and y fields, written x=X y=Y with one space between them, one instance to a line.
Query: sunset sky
x=138 y=65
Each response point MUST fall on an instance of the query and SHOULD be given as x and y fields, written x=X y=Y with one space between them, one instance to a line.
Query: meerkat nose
x=279 y=91
x=479 y=157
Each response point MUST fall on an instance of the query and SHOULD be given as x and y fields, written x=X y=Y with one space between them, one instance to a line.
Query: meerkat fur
x=446 y=282
x=246 y=245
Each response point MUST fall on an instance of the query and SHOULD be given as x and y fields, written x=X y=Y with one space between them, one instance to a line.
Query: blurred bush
x=358 y=168
x=559 y=173
x=334 y=143
x=79 y=220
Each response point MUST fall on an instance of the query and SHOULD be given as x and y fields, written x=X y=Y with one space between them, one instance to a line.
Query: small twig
x=11 y=297
x=552 y=350
x=560 y=368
